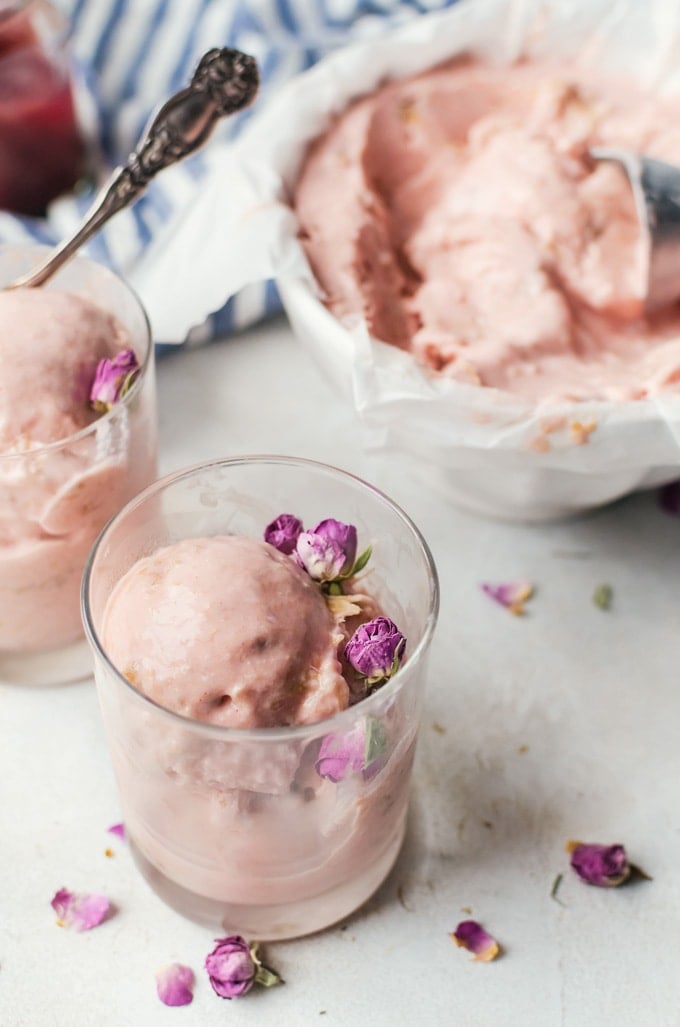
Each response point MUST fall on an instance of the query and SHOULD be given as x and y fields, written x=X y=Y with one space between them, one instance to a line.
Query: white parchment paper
x=480 y=446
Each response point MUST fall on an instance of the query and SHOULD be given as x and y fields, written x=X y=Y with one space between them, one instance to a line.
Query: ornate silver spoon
x=224 y=82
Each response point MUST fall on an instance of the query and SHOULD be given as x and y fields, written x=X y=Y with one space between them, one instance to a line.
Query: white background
x=562 y=724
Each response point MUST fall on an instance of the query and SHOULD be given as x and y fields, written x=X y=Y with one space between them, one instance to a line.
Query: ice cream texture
x=227 y=630
x=57 y=487
x=50 y=345
x=460 y=214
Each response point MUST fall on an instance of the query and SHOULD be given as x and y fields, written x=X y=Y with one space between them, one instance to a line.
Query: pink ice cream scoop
x=227 y=630
x=64 y=470
x=50 y=345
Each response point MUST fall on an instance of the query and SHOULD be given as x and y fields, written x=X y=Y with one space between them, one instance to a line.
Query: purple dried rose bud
x=363 y=749
x=605 y=866
x=113 y=378
x=471 y=935
x=376 y=649
x=174 y=984
x=80 y=911
x=233 y=967
x=344 y=534
x=283 y=533
x=323 y=558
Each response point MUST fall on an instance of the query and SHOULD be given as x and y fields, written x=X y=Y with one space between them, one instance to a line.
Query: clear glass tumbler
x=55 y=498
x=236 y=828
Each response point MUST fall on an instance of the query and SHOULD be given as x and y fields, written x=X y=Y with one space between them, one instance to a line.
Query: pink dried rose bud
x=605 y=866
x=361 y=750
x=471 y=935
x=233 y=967
x=376 y=650
x=174 y=984
x=80 y=911
x=118 y=830
x=283 y=533
x=344 y=535
x=323 y=558
x=113 y=378
x=510 y=594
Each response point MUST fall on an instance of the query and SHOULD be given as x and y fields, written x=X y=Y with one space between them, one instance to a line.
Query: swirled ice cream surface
x=460 y=214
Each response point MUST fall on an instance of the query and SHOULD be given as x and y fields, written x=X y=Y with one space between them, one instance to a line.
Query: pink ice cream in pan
x=459 y=213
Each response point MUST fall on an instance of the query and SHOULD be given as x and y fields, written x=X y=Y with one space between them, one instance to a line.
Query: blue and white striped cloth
x=132 y=54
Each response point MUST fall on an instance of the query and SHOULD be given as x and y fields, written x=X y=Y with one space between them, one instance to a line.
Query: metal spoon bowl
x=224 y=82
x=656 y=191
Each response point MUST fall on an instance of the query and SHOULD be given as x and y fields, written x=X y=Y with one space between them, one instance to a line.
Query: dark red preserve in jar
x=42 y=152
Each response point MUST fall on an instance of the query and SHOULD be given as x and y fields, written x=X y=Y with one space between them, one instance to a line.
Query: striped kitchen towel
x=132 y=54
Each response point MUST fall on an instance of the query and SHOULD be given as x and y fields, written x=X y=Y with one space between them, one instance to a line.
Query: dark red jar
x=42 y=152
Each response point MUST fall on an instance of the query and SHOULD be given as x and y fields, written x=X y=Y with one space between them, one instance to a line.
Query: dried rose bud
x=471 y=935
x=376 y=649
x=81 y=911
x=605 y=866
x=283 y=533
x=113 y=378
x=346 y=537
x=233 y=967
x=323 y=558
x=174 y=984
x=363 y=749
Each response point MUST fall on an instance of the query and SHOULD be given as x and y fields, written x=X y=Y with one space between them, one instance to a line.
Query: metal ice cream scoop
x=224 y=81
x=656 y=191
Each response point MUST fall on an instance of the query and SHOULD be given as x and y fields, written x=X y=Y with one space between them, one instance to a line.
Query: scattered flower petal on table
x=376 y=649
x=113 y=378
x=234 y=966
x=510 y=594
x=605 y=866
x=81 y=911
x=471 y=935
x=174 y=984
x=118 y=830
x=669 y=498
x=602 y=596
x=283 y=533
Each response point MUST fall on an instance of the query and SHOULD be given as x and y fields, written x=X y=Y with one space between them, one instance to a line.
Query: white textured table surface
x=562 y=724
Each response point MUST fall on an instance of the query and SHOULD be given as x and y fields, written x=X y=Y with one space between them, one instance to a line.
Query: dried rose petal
x=113 y=378
x=233 y=967
x=605 y=866
x=80 y=911
x=471 y=936
x=174 y=984
x=118 y=830
x=511 y=594
x=376 y=649
x=283 y=533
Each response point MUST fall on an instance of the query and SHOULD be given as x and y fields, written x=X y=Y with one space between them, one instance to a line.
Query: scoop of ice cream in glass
x=78 y=438
x=260 y=628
